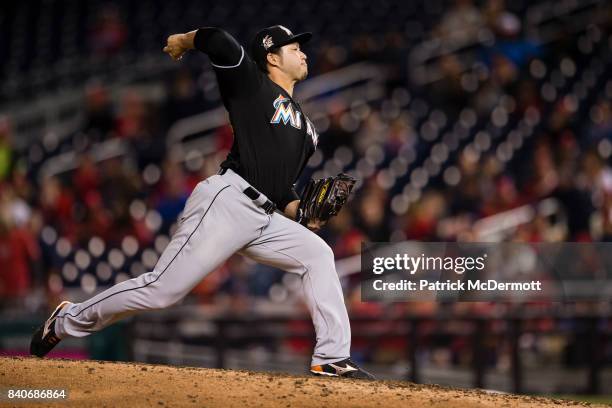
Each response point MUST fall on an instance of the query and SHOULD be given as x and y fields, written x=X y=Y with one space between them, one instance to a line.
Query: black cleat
x=44 y=339
x=345 y=368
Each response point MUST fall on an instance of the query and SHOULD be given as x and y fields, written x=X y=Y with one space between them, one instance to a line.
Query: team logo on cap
x=267 y=42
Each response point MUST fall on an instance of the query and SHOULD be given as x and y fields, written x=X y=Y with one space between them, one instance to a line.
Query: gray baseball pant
x=218 y=221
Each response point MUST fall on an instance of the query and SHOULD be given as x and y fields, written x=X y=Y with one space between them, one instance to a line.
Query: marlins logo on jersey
x=288 y=115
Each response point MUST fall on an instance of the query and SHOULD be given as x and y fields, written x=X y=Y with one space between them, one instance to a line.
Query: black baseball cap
x=272 y=38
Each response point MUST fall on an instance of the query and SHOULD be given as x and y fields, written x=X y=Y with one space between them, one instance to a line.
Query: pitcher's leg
x=201 y=243
x=289 y=246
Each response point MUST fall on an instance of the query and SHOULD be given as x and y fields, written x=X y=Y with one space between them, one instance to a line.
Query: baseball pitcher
x=249 y=207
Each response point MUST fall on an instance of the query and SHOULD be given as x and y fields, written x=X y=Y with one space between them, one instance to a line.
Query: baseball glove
x=323 y=198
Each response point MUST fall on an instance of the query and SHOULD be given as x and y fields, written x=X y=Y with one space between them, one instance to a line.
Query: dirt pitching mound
x=109 y=384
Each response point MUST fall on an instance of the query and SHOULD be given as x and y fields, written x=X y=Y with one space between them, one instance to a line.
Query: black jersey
x=273 y=138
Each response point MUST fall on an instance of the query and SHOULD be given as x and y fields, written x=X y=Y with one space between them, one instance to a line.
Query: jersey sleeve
x=236 y=72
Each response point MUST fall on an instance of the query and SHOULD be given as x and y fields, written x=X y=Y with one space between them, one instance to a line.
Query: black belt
x=269 y=207
x=253 y=194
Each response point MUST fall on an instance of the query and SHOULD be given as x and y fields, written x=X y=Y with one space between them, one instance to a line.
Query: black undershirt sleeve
x=289 y=197
x=219 y=45
x=237 y=74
